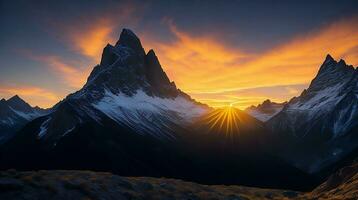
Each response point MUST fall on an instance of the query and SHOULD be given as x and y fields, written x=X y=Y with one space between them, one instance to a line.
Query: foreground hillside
x=97 y=185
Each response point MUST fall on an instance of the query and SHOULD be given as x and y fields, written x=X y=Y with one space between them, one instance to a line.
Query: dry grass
x=87 y=185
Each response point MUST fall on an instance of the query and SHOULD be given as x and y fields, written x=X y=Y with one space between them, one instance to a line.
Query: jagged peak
x=154 y=71
x=329 y=58
x=342 y=62
x=130 y=40
x=332 y=65
x=17 y=103
x=328 y=62
x=15 y=98
x=267 y=101
x=151 y=52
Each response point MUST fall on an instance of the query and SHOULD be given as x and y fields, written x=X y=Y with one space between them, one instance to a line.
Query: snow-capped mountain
x=129 y=87
x=131 y=120
x=14 y=114
x=323 y=120
x=265 y=111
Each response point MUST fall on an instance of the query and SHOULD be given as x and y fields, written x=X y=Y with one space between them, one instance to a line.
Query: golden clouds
x=33 y=95
x=202 y=66
x=88 y=35
x=91 y=40
x=211 y=71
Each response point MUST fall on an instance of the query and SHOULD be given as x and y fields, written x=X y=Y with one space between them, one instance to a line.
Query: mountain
x=14 y=114
x=265 y=111
x=320 y=126
x=130 y=88
x=130 y=119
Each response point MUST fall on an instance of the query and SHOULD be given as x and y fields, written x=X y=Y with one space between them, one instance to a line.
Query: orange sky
x=208 y=70
x=220 y=76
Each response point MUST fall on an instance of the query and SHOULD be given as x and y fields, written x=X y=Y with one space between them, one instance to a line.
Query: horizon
x=222 y=106
x=274 y=57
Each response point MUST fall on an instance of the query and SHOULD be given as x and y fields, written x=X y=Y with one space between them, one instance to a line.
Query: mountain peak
x=267 y=101
x=16 y=99
x=19 y=104
x=130 y=40
x=329 y=58
x=151 y=53
x=332 y=66
x=342 y=62
x=126 y=68
x=156 y=76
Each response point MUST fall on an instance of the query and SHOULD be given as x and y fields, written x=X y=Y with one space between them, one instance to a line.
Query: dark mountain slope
x=320 y=126
x=14 y=114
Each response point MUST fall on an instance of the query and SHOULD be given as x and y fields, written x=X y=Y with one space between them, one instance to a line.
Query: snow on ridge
x=68 y=131
x=143 y=102
x=320 y=100
x=43 y=128
x=146 y=114
x=342 y=124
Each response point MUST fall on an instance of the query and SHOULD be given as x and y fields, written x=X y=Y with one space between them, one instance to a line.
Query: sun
x=226 y=120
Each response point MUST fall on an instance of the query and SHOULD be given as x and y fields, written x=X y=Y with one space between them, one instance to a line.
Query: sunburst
x=226 y=120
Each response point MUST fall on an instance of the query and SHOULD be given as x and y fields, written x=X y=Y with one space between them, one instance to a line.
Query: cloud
x=206 y=68
x=73 y=73
x=31 y=94
x=90 y=41
x=88 y=35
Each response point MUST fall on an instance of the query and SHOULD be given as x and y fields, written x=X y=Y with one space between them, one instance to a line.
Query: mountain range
x=266 y=110
x=130 y=119
x=14 y=114
x=320 y=126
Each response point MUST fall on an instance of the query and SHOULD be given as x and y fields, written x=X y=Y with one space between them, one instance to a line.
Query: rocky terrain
x=91 y=185
x=100 y=185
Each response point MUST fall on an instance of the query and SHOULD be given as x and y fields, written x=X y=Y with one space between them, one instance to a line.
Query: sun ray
x=225 y=120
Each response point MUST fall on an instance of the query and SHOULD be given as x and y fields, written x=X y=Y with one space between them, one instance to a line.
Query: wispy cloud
x=73 y=73
x=91 y=40
x=88 y=35
x=202 y=66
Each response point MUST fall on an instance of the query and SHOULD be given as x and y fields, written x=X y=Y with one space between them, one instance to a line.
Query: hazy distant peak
x=15 y=98
x=266 y=110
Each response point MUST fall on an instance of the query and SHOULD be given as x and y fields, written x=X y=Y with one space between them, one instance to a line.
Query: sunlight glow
x=226 y=120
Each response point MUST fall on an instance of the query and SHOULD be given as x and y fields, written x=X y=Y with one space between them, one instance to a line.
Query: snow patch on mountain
x=141 y=101
x=43 y=128
x=320 y=100
x=69 y=131
x=149 y=114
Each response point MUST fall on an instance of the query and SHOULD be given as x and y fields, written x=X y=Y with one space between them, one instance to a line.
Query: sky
x=220 y=52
